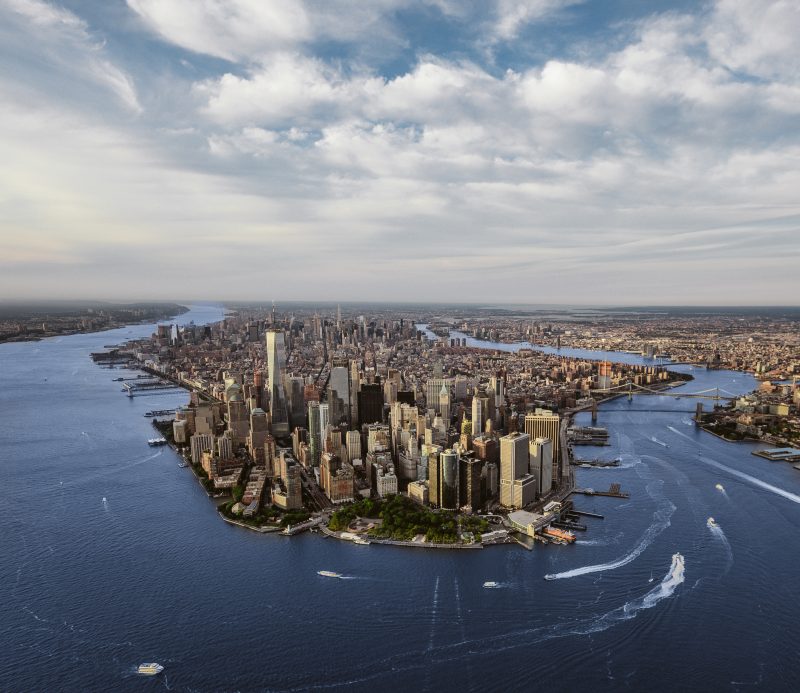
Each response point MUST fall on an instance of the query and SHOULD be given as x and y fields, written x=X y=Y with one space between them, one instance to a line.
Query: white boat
x=156 y=441
x=711 y=522
x=329 y=573
x=489 y=584
x=150 y=669
x=360 y=541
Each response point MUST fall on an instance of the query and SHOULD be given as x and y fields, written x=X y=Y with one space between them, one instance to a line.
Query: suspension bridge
x=630 y=388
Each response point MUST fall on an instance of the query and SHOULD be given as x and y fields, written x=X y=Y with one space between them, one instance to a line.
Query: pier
x=613 y=492
x=594 y=463
x=149 y=387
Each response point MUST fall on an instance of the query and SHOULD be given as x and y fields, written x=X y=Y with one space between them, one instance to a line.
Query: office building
x=339 y=396
x=370 y=404
x=448 y=482
x=541 y=464
x=545 y=424
x=470 y=483
x=514 y=464
x=276 y=365
x=200 y=443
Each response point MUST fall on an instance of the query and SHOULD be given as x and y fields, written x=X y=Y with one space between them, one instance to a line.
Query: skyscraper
x=448 y=480
x=314 y=434
x=276 y=364
x=541 y=464
x=514 y=464
x=370 y=403
x=470 y=482
x=339 y=396
x=444 y=404
x=545 y=424
x=478 y=416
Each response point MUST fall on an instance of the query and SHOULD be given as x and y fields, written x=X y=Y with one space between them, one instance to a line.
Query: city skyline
x=563 y=151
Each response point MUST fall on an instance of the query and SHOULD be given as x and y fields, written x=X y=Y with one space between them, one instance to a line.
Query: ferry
x=555 y=534
x=153 y=442
x=150 y=669
x=329 y=573
x=489 y=584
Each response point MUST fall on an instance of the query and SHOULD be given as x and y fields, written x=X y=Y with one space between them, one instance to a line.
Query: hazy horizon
x=565 y=151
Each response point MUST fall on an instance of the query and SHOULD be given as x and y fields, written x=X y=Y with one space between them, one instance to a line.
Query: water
x=111 y=556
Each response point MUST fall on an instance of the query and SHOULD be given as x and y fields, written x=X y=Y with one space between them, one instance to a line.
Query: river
x=112 y=555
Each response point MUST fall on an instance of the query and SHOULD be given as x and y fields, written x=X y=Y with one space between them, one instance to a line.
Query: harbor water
x=111 y=555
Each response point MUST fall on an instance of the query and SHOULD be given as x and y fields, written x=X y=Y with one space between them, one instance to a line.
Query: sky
x=520 y=151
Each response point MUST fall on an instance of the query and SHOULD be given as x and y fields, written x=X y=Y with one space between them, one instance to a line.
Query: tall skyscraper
x=448 y=480
x=478 y=416
x=514 y=464
x=545 y=424
x=276 y=365
x=370 y=403
x=314 y=435
x=339 y=396
x=433 y=389
x=444 y=404
x=541 y=464
x=470 y=482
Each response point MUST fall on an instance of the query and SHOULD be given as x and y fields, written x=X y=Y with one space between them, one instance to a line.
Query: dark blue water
x=93 y=587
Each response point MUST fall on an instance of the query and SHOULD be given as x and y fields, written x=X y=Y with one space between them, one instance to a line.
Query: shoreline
x=93 y=330
x=560 y=495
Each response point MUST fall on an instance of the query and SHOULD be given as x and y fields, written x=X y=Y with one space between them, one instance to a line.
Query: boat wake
x=659 y=442
x=465 y=649
x=679 y=433
x=722 y=490
x=716 y=530
x=666 y=588
x=661 y=520
x=752 y=480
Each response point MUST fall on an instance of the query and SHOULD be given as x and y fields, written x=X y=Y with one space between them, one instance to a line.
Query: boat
x=711 y=523
x=329 y=573
x=183 y=465
x=489 y=584
x=719 y=487
x=555 y=534
x=360 y=541
x=150 y=669
x=153 y=442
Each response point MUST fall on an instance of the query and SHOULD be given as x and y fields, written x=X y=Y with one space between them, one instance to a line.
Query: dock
x=586 y=513
x=613 y=492
x=594 y=463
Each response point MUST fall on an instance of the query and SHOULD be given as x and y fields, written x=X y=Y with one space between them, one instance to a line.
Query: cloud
x=64 y=43
x=757 y=38
x=298 y=163
x=513 y=15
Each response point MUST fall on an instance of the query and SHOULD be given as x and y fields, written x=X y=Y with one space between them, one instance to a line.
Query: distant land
x=32 y=320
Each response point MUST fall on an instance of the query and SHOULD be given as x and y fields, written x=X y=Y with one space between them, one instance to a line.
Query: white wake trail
x=755 y=482
x=661 y=521
x=716 y=530
x=677 y=432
